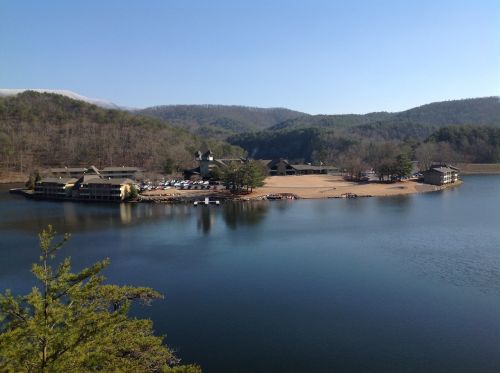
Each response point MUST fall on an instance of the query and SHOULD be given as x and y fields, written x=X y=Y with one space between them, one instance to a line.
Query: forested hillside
x=475 y=111
x=461 y=130
x=220 y=120
x=42 y=129
x=331 y=121
x=484 y=111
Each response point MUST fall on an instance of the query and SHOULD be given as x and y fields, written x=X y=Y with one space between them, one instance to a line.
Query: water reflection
x=243 y=213
x=31 y=216
x=283 y=205
x=233 y=215
x=206 y=218
x=125 y=213
x=399 y=201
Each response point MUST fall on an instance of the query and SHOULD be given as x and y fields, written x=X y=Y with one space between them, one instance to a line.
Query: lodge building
x=100 y=189
x=57 y=187
x=122 y=172
x=283 y=167
x=91 y=184
x=441 y=174
x=279 y=167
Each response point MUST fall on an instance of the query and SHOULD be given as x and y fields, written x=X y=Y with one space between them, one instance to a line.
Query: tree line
x=368 y=147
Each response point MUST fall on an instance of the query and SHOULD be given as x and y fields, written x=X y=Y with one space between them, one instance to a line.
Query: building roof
x=265 y=162
x=274 y=162
x=68 y=169
x=88 y=177
x=298 y=167
x=122 y=168
x=305 y=167
x=226 y=161
x=441 y=164
x=59 y=180
x=110 y=181
x=441 y=170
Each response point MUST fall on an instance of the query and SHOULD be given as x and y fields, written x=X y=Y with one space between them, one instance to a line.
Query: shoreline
x=281 y=187
x=302 y=187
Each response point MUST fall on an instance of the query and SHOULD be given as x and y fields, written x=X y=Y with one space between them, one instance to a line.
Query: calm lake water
x=375 y=284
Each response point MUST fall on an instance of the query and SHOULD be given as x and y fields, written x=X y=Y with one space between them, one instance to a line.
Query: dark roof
x=225 y=162
x=59 y=180
x=68 y=169
x=110 y=181
x=441 y=170
x=274 y=162
x=440 y=164
x=265 y=162
x=122 y=168
x=88 y=177
x=305 y=167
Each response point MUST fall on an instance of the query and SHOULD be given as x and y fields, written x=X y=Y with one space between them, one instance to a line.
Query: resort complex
x=314 y=181
x=110 y=184
x=277 y=167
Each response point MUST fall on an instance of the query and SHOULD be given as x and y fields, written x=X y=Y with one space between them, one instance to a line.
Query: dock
x=207 y=202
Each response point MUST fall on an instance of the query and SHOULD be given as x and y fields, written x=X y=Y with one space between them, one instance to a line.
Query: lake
x=407 y=283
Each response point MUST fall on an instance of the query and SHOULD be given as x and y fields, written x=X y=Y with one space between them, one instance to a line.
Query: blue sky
x=315 y=56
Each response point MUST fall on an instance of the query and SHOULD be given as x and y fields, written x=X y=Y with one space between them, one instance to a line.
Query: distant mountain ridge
x=42 y=129
x=220 y=120
x=223 y=121
x=473 y=111
x=471 y=127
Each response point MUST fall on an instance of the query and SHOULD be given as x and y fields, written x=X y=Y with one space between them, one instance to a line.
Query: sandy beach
x=328 y=186
x=304 y=187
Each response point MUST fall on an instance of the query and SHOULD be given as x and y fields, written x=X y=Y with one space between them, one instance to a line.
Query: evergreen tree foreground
x=73 y=322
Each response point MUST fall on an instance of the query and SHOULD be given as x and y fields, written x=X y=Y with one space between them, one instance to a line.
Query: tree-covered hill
x=484 y=111
x=475 y=111
x=463 y=143
x=331 y=121
x=43 y=129
x=220 y=120
x=325 y=136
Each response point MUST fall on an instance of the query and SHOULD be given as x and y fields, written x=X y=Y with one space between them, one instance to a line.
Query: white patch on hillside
x=75 y=96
